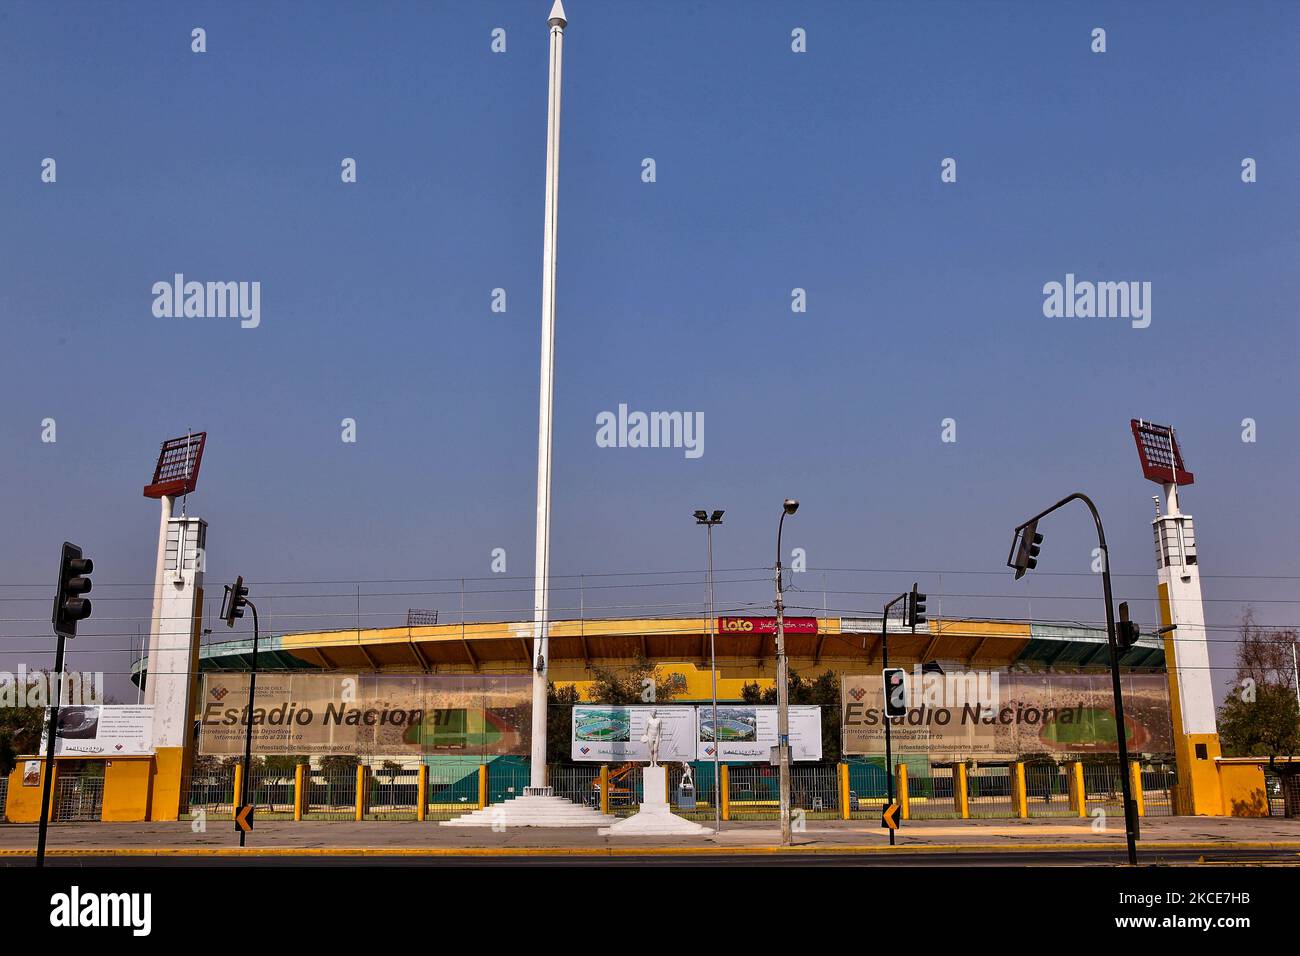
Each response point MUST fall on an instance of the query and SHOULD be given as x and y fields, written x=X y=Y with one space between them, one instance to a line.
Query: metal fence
x=930 y=795
x=393 y=792
x=1103 y=786
x=331 y=794
x=989 y=790
x=580 y=784
x=271 y=791
x=1158 y=784
x=867 y=783
x=78 y=797
x=4 y=796
x=212 y=791
x=1047 y=790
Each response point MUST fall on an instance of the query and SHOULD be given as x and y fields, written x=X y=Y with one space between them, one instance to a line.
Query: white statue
x=688 y=777
x=654 y=728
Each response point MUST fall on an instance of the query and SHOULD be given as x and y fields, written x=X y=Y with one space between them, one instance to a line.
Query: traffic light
x=69 y=606
x=236 y=598
x=1126 y=631
x=1026 y=548
x=915 y=607
x=895 y=692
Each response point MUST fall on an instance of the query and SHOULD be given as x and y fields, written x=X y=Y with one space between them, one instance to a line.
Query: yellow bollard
x=843 y=770
x=482 y=786
x=1078 y=796
x=361 y=792
x=422 y=793
x=239 y=790
x=960 y=793
x=299 y=790
x=604 y=788
x=1019 y=796
x=1135 y=779
x=903 y=799
x=725 y=790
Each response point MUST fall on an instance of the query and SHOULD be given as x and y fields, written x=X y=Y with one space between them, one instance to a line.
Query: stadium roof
x=840 y=644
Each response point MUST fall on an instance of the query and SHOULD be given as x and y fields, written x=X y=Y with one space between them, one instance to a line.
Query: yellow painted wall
x=23 y=804
x=126 y=789
x=1242 y=785
x=169 y=772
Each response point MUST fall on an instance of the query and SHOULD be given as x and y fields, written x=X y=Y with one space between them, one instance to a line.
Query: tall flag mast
x=542 y=562
x=539 y=806
x=1182 y=619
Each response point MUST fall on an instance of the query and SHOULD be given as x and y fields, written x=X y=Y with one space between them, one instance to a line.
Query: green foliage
x=20 y=733
x=1260 y=717
x=631 y=685
x=559 y=721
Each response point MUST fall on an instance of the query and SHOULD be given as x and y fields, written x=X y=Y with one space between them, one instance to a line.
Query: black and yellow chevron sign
x=889 y=816
x=244 y=818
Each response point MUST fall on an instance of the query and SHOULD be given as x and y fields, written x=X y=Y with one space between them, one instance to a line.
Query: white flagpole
x=541 y=566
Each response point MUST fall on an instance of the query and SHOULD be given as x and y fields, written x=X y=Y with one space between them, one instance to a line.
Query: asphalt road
x=970 y=858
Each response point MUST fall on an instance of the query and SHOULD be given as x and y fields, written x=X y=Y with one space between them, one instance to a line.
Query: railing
x=930 y=795
x=78 y=798
x=816 y=791
x=1047 y=791
x=1158 y=785
x=989 y=790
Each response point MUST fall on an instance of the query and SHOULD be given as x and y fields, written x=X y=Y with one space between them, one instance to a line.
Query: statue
x=688 y=777
x=653 y=731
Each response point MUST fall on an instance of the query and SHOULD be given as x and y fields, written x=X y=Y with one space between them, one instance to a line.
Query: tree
x=559 y=720
x=639 y=683
x=1260 y=717
x=20 y=733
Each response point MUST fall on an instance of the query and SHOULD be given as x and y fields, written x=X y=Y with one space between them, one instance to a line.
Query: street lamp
x=703 y=517
x=789 y=507
x=1023 y=557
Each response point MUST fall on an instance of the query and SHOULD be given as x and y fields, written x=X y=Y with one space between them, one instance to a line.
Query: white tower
x=172 y=662
x=1187 y=652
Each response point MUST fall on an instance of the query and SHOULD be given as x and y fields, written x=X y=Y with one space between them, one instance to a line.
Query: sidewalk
x=310 y=837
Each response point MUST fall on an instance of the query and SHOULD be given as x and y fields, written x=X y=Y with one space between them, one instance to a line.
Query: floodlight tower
x=177 y=619
x=1182 y=619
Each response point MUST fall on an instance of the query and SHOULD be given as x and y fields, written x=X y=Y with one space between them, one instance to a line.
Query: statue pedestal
x=655 y=818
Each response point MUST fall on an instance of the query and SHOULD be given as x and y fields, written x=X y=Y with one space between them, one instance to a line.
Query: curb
x=202 y=852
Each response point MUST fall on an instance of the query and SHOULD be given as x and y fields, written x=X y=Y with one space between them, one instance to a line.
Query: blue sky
x=775 y=170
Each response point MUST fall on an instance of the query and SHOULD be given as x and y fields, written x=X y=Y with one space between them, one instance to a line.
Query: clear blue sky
x=775 y=170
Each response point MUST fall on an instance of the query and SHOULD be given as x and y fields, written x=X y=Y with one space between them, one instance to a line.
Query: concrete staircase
x=533 y=809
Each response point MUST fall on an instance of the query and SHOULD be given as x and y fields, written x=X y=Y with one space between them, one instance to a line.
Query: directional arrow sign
x=244 y=818
x=889 y=817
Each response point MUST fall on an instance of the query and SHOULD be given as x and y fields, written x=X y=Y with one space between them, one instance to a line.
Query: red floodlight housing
x=177 y=471
x=1162 y=462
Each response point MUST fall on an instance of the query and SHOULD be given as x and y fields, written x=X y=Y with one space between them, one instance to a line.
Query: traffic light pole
x=47 y=783
x=889 y=737
x=248 y=720
x=1121 y=731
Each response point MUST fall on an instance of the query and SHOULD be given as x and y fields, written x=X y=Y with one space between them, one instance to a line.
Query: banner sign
x=766 y=625
x=367 y=714
x=605 y=733
x=748 y=732
x=108 y=730
x=994 y=715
